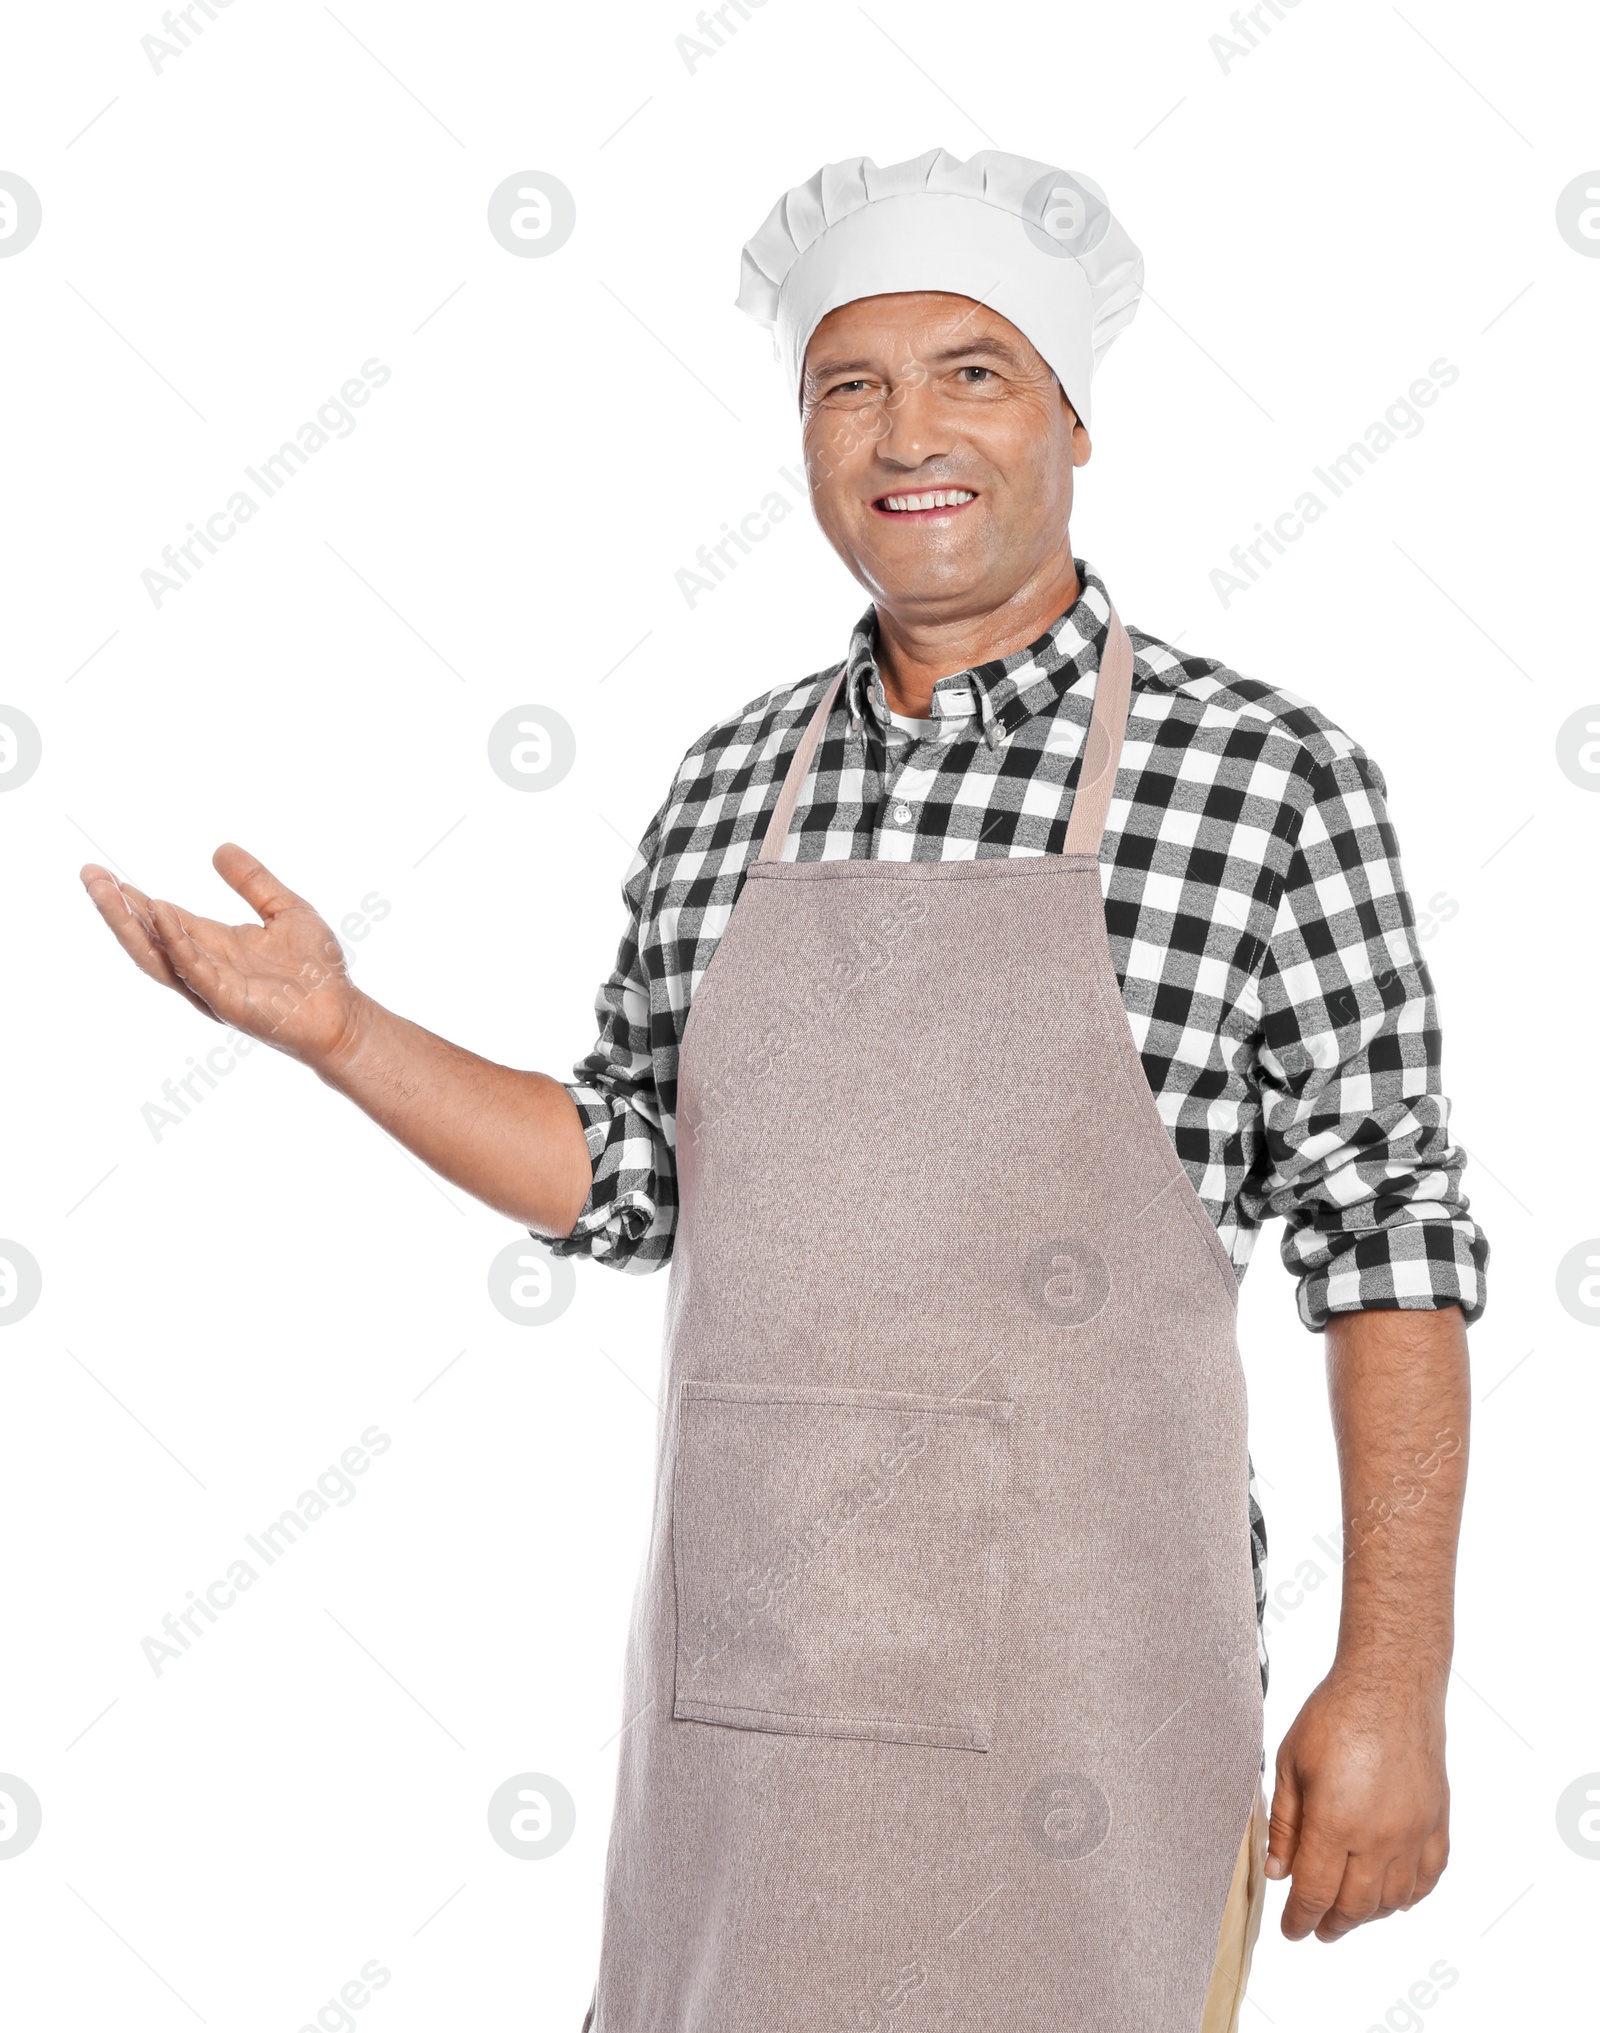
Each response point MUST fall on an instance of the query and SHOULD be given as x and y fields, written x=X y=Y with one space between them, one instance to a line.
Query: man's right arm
x=511 y=1138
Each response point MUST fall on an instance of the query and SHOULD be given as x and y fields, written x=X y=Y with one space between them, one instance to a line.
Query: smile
x=938 y=501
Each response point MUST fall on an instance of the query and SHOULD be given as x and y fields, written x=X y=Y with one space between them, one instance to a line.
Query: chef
x=980 y=997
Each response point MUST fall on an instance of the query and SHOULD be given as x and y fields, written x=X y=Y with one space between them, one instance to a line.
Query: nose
x=914 y=430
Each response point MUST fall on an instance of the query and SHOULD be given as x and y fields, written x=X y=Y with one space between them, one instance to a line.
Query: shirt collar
x=1007 y=690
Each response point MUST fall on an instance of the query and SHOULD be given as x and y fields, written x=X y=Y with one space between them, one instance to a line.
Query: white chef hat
x=1038 y=245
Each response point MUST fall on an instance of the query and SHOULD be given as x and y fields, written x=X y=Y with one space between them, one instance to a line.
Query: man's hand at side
x=1361 y=1808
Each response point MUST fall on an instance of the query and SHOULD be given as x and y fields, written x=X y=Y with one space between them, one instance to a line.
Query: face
x=940 y=450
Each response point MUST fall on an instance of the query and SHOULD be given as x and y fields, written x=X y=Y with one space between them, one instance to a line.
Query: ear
x=1081 y=447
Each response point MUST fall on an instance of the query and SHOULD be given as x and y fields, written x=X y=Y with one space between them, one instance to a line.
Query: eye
x=846 y=387
x=986 y=374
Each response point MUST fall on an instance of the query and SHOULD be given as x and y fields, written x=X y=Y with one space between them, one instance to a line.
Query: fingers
x=259 y=887
x=121 y=905
x=1319 y=1869
x=1399 y=1886
x=1283 y=1827
x=206 y=935
x=191 y=964
x=177 y=935
x=1372 y=1890
x=1357 y=1898
x=1430 y=1864
x=1336 y=1886
x=127 y=911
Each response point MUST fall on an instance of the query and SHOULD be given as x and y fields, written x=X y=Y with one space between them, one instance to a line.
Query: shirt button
x=902 y=815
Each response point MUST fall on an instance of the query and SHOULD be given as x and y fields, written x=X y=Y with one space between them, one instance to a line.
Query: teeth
x=943 y=497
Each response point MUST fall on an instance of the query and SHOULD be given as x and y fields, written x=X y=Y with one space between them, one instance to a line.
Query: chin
x=928 y=581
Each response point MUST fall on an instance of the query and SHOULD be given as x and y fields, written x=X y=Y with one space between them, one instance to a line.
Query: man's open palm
x=283 y=981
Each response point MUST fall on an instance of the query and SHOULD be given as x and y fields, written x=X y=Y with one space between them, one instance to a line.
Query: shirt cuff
x=628 y=1218
x=1418 y=1266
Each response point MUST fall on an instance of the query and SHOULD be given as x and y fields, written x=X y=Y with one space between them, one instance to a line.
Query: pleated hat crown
x=1035 y=243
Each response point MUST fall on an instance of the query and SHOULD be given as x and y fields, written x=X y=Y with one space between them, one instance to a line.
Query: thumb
x=1284 y=1827
x=259 y=887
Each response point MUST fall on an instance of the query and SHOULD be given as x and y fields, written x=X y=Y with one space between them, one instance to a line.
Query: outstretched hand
x=283 y=981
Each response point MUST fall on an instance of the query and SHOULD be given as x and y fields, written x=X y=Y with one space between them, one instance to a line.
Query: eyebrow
x=997 y=348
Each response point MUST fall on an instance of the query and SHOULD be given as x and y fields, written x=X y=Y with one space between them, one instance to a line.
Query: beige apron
x=942 y=1707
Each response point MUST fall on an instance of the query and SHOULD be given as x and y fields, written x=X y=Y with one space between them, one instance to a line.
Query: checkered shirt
x=1258 y=922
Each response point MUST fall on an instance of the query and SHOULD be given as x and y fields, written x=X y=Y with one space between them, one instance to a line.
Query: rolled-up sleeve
x=1361 y=1164
x=629 y=1217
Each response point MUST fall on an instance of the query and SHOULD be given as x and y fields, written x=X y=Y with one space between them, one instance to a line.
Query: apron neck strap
x=799 y=769
x=1102 y=745
x=1097 y=774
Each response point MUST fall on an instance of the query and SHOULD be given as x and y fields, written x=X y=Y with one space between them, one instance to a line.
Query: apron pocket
x=837 y=1562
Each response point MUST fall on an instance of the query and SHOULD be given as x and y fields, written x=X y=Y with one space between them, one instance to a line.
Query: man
x=979 y=999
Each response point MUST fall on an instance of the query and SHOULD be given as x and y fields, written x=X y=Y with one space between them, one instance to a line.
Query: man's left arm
x=1361 y=1805
x=1390 y=1267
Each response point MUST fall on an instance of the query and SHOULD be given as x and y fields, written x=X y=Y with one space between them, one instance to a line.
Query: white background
x=226 y=1308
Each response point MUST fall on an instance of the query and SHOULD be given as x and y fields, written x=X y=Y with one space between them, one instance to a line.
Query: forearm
x=1399 y=1391
x=512 y=1139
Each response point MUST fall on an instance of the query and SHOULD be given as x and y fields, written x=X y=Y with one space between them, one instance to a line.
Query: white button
x=902 y=815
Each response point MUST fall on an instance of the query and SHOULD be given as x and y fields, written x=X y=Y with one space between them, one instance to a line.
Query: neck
x=914 y=651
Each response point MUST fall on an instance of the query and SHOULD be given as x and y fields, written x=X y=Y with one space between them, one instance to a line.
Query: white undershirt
x=920 y=729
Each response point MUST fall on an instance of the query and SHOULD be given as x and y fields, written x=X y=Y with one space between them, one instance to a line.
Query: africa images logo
x=1402 y=419
x=333 y=420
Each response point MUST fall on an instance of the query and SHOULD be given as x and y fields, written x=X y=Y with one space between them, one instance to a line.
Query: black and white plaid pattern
x=1258 y=921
